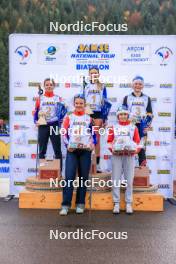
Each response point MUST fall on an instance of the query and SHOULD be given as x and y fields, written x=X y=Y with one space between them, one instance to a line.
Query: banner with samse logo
x=67 y=58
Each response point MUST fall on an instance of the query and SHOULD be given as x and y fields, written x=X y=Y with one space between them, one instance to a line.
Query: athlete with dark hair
x=80 y=142
x=96 y=99
x=48 y=103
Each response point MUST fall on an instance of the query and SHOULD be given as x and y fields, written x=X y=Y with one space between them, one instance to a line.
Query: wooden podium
x=100 y=201
x=141 y=177
x=49 y=169
x=40 y=195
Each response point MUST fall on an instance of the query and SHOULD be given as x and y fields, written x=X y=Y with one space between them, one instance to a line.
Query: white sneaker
x=116 y=209
x=79 y=210
x=129 y=209
x=99 y=168
x=64 y=211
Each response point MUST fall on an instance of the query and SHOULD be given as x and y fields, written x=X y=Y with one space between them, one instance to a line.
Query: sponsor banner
x=164 y=55
x=4 y=157
x=52 y=54
x=136 y=54
x=23 y=54
x=166 y=85
x=90 y=54
x=67 y=58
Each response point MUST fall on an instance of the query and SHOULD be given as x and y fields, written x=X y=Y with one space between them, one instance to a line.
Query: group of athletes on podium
x=134 y=117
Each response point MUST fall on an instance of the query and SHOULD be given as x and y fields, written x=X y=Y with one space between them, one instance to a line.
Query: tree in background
x=33 y=16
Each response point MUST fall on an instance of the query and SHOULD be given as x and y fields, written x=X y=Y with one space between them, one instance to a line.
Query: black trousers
x=141 y=154
x=43 y=137
x=81 y=160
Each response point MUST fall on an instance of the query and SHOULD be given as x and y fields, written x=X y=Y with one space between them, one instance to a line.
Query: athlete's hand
x=92 y=147
x=110 y=147
x=104 y=124
x=146 y=129
x=131 y=153
x=70 y=149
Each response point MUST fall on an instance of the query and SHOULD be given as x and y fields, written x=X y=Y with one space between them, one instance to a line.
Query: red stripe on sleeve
x=110 y=135
x=136 y=137
x=66 y=122
x=37 y=103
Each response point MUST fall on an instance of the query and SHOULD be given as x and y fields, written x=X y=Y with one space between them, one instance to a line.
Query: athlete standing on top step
x=96 y=100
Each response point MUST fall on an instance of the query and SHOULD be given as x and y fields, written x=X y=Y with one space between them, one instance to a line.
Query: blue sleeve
x=61 y=111
x=36 y=115
x=106 y=106
x=104 y=93
x=125 y=101
x=149 y=106
x=94 y=137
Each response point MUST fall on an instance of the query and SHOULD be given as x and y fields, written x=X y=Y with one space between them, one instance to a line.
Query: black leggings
x=44 y=135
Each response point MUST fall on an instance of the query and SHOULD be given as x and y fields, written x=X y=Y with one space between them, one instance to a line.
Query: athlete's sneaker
x=129 y=209
x=64 y=211
x=116 y=209
x=79 y=209
x=99 y=169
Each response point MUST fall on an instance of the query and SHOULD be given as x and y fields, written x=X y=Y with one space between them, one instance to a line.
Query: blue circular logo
x=51 y=50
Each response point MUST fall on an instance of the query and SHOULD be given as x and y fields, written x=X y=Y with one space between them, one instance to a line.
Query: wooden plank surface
x=100 y=201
